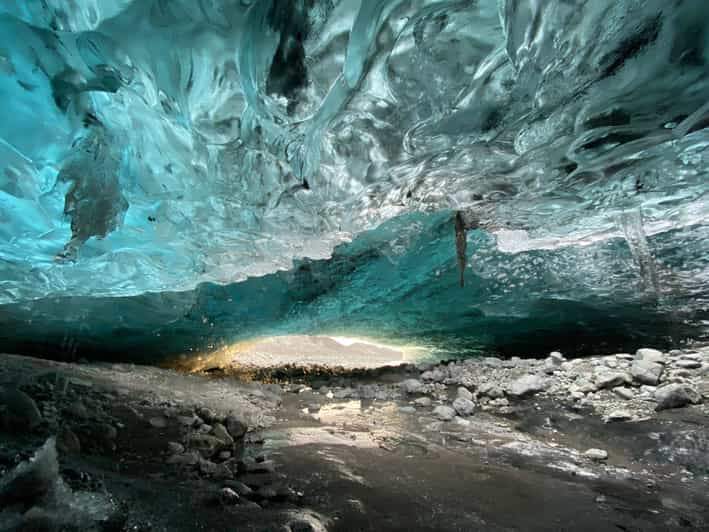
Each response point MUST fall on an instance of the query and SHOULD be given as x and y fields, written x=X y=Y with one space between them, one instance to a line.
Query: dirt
x=371 y=460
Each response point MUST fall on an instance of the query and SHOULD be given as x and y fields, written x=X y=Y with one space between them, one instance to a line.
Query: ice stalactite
x=632 y=224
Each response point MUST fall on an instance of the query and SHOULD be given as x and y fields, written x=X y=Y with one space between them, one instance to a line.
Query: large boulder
x=676 y=396
x=465 y=393
x=526 y=386
x=650 y=355
x=646 y=372
x=18 y=410
x=31 y=480
x=464 y=406
x=220 y=432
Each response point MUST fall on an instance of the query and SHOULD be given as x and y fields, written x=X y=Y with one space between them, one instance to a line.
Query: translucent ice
x=151 y=145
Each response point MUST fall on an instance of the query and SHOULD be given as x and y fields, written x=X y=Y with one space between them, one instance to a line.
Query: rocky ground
x=616 y=442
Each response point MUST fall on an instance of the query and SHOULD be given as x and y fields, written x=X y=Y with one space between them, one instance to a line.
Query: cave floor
x=353 y=452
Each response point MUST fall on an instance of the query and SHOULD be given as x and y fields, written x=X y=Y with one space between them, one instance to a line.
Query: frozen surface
x=148 y=147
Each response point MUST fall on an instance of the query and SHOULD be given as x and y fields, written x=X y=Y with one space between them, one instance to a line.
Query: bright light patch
x=306 y=351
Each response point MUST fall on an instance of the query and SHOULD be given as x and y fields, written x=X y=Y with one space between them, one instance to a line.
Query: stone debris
x=596 y=454
x=456 y=399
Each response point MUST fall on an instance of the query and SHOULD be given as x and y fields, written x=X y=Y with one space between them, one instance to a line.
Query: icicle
x=632 y=223
x=461 y=243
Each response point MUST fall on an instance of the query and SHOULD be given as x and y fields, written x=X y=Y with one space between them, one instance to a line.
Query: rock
x=77 y=410
x=259 y=465
x=158 y=422
x=435 y=375
x=412 y=386
x=265 y=466
x=223 y=472
x=611 y=363
x=576 y=395
x=423 y=401
x=225 y=455
x=624 y=356
x=18 y=410
x=596 y=454
x=464 y=406
x=693 y=356
x=646 y=372
x=676 y=396
x=104 y=433
x=344 y=393
x=209 y=416
x=188 y=421
x=300 y=525
x=619 y=415
x=32 y=479
x=526 y=386
x=550 y=368
x=239 y=487
x=204 y=428
x=185 y=459
x=269 y=493
x=175 y=448
x=491 y=390
x=623 y=393
x=611 y=379
x=650 y=355
x=236 y=427
x=67 y=442
x=444 y=413
x=424 y=366
x=688 y=363
x=228 y=497
x=585 y=386
x=207 y=467
x=465 y=393
x=220 y=432
x=675 y=376
x=556 y=357
x=249 y=505
x=205 y=443
x=407 y=409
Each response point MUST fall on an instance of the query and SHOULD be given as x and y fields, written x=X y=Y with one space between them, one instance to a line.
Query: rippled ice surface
x=148 y=146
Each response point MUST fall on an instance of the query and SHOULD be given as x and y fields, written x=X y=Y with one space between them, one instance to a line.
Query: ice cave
x=354 y=265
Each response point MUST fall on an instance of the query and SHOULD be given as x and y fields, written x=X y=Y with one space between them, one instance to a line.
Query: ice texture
x=151 y=146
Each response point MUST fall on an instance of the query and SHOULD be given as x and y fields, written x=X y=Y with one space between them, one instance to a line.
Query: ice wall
x=148 y=146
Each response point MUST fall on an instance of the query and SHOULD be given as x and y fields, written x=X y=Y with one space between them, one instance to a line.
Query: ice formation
x=148 y=147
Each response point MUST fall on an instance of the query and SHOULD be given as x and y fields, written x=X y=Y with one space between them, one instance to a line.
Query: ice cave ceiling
x=164 y=163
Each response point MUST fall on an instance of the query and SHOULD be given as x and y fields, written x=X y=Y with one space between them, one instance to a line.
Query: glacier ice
x=153 y=152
